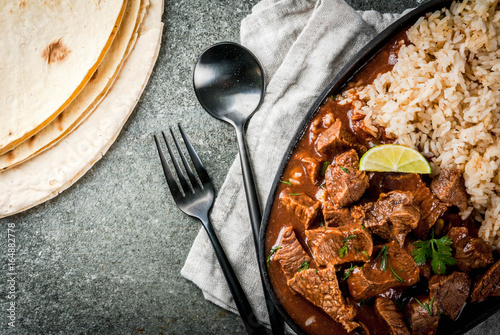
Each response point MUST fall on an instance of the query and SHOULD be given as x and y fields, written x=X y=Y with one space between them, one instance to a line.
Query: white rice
x=443 y=98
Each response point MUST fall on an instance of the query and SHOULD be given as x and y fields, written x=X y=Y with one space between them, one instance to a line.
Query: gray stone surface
x=105 y=256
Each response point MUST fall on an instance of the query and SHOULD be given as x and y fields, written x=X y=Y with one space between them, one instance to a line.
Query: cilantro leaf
x=438 y=250
x=422 y=252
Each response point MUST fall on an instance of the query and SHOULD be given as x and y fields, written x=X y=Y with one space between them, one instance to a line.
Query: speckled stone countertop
x=104 y=257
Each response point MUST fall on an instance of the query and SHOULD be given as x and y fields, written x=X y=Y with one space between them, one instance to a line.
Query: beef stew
x=356 y=230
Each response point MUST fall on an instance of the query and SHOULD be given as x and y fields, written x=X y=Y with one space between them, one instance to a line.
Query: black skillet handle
x=250 y=321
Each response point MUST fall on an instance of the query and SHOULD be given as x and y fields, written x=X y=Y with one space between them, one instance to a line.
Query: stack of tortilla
x=71 y=75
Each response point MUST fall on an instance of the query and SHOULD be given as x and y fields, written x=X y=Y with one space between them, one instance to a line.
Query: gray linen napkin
x=302 y=45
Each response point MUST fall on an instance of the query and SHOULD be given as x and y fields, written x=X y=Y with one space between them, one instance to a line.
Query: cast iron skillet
x=473 y=314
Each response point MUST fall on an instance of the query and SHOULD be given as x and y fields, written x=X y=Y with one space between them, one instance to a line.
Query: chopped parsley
x=325 y=166
x=343 y=251
x=303 y=266
x=346 y=170
x=345 y=248
x=439 y=250
x=271 y=253
x=383 y=263
x=349 y=271
x=398 y=278
x=427 y=306
x=286 y=182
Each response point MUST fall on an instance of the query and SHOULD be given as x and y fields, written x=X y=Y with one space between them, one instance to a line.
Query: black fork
x=195 y=199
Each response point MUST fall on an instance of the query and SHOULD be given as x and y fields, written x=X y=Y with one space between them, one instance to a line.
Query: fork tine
x=172 y=185
x=190 y=173
x=182 y=179
x=202 y=172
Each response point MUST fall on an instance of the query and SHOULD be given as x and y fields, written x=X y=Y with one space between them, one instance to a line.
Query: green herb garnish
x=348 y=272
x=365 y=254
x=427 y=306
x=439 y=250
x=398 y=278
x=286 y=182
x=345 y=248
x=295 y=193
x=344 y=169
x=383 y=263
x=325 y=166
x=343 y=251
x=303 y=266
x=271 y=253
x=350 y=237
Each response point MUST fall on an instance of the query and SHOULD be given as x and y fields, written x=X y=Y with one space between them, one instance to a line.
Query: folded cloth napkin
x=302 y=45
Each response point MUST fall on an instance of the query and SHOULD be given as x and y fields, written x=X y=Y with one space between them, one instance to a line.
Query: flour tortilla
x=91 y=95
x=49 y=50
x=48 y=174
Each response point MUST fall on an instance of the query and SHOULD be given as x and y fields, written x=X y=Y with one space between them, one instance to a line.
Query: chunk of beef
x=449 y=293
x=360 y=212
x=312 y=167
x=304 y=207
x=383 y=272
x=449 y=187
x=334 y=138
x=418 y=318
x=322 y=289
x=393 y=216
x=344 y=182
x=425 y=269
x=391 y=315
x=470 y=253
x=488 y=284
x=291 y=255
x=335 y=216
x=350 y=243
x=431 y=208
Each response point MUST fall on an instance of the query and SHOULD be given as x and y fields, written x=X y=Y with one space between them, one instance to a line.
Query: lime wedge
x=394 y=158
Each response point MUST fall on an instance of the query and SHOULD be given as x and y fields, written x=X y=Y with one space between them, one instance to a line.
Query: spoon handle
x=255 y=219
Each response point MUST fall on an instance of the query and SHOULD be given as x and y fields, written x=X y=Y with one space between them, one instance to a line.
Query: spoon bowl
x=229 y=82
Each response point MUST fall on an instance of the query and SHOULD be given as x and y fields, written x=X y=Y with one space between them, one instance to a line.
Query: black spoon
x=229 y=83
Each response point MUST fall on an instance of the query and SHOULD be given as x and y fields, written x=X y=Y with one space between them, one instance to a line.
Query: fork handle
x=250 y=321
